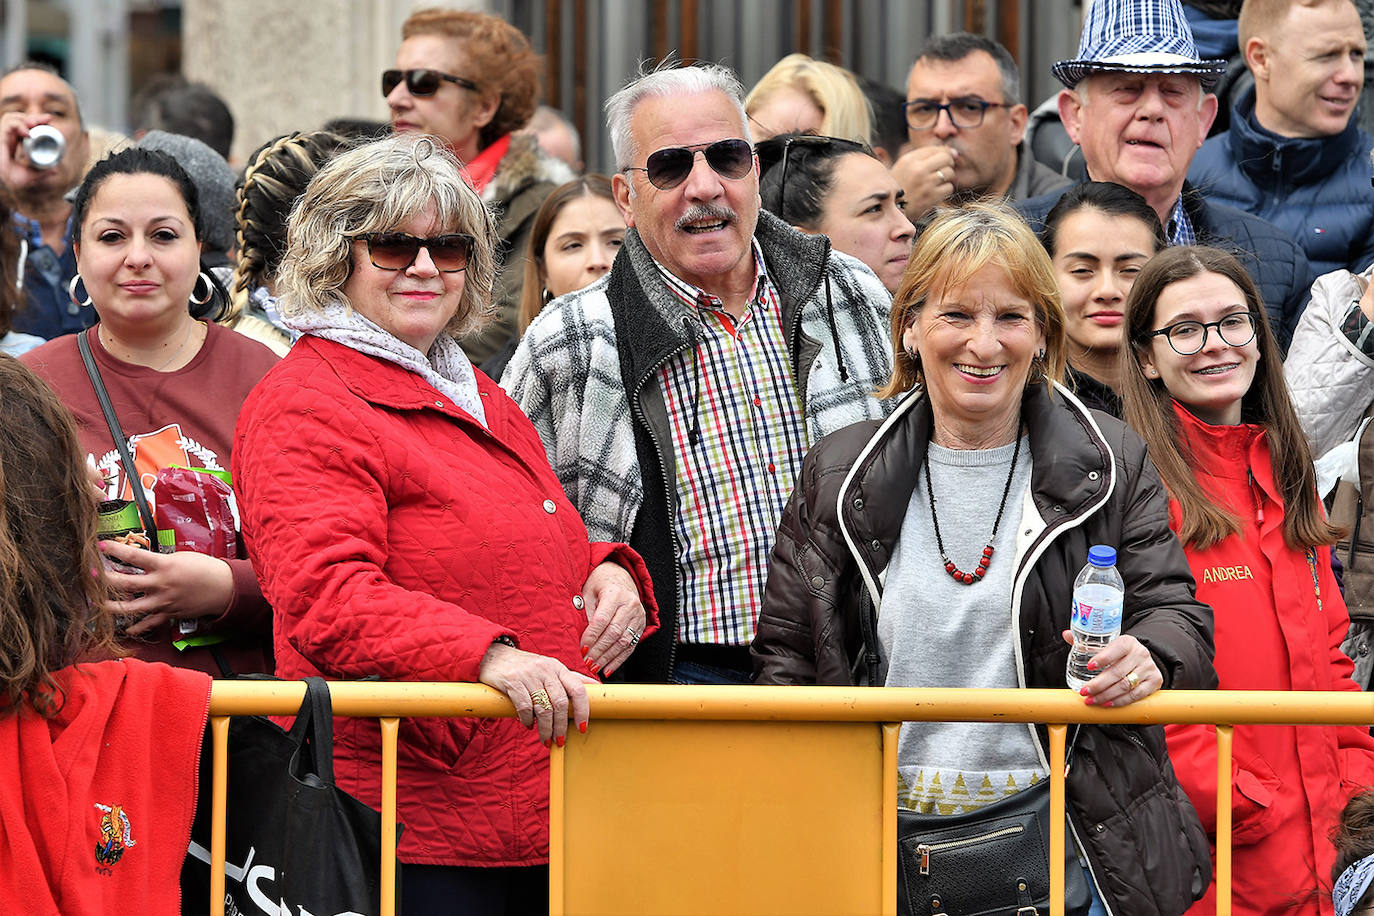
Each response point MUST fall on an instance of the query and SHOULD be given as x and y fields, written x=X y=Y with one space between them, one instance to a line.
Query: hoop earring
x=71 y=292
x=209 y=289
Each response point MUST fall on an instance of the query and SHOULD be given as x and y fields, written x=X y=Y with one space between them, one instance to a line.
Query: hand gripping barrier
x=751 y=799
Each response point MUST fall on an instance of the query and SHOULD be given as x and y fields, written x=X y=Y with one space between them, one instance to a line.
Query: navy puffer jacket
x=1314 y=188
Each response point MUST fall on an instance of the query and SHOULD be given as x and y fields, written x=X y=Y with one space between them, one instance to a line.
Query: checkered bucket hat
x=1137 y=36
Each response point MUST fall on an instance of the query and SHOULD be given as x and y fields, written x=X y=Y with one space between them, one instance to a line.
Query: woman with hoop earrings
x=174 y=383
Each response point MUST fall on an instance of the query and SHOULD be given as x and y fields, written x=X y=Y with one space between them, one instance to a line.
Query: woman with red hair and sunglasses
x=407 y=526
x=471 y=79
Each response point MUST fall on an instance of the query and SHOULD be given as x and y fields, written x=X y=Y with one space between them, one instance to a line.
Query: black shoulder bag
x=990 y=862
x=145 y=513
x=292 y=837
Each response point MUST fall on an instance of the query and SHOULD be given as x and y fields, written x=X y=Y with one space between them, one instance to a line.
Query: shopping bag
x=294 y=842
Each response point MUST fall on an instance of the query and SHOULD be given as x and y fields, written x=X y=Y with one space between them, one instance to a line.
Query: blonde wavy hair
x=834 y=90
x=379 y=187
x=957 y=244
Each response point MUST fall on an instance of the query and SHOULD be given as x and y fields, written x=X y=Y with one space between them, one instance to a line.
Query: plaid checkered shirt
x=576 y=375
x=1180 y=228
x=740 y=437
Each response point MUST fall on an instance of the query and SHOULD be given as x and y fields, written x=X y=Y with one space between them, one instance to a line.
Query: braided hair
x=276 y=176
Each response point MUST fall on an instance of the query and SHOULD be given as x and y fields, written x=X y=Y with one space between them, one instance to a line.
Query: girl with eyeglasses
x=1203 y=385
x=175 y=381
x=836 y=187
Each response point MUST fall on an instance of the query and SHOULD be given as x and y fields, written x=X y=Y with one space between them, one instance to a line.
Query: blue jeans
x=1097 y=908
x=686 y=672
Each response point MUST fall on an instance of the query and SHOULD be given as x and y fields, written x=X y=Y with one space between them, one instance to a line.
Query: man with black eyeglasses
x=677 y=395
x=471 y=80
x=967 y=127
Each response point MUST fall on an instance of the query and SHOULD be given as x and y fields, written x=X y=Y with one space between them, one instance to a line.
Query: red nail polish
x=583 y=650
x=549 y=744
x=582 y=727
x=1106 y=704
x=1082 y=691
x=593 y=667
x=1092 y=666
x=561 y=740
x=1089 y=701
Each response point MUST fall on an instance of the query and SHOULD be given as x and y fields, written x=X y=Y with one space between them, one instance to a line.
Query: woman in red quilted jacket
x=1206 y=391
x=406 y=524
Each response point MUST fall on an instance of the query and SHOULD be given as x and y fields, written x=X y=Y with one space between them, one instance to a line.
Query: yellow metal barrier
x=612 y=812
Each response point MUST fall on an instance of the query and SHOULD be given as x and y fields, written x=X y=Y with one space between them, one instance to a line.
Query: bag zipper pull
x=923 y=850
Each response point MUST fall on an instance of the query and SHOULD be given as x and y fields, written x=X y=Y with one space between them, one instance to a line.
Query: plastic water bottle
x=1098 y=594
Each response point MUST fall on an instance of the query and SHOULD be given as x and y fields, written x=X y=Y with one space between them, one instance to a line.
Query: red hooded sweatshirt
x=96 y=803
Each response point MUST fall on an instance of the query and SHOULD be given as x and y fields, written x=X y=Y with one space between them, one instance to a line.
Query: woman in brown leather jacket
x=988 y=461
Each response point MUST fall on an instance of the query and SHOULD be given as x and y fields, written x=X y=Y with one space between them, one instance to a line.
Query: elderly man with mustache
x=677 y=395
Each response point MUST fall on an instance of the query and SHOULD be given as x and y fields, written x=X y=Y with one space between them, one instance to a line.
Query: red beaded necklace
x=957 y=574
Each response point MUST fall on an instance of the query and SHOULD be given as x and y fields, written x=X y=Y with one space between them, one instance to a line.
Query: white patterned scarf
x=1351 y=885
x=446 y=367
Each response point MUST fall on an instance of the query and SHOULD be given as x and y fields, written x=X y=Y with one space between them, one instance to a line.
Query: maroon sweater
x=183 y=418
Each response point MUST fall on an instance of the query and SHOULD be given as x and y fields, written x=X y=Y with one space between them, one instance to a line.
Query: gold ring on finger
x=540 y=698
x=1132 y=680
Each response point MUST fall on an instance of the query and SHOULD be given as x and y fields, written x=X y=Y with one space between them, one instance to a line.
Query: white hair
x=668 y=78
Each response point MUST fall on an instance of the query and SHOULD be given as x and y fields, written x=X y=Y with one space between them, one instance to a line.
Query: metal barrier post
x=1224 y=738
x=1057 y=734
x=390 y=732
x=219 y=798
x=557 y=847
x=892 y=731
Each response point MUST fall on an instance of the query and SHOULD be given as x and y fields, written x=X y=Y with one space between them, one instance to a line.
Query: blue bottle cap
x=1102 y=555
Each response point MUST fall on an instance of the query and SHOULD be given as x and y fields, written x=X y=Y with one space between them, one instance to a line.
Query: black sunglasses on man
x=669 y=167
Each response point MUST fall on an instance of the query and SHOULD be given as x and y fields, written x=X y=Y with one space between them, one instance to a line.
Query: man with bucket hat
x=1137 y=102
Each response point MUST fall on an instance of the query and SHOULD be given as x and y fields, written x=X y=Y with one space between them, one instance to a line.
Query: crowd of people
x=780 y=400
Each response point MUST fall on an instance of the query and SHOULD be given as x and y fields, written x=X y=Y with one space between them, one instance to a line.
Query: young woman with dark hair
x=836 y=187
x=175 y=381
x=1099 y=236
x=1203 y=385
x=573 y=242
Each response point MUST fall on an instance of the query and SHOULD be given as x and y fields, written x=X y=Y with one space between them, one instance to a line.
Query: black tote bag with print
x=294 y=841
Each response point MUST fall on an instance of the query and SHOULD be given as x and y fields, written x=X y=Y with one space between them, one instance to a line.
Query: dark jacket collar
x=1268 y=158
x=1070 y=472
x=652 y=323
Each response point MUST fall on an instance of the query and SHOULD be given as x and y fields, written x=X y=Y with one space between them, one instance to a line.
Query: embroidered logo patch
x=116 y=834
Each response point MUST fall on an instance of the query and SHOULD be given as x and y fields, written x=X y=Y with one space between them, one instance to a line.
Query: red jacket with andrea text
x=397 y=538
x=1289 y=782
